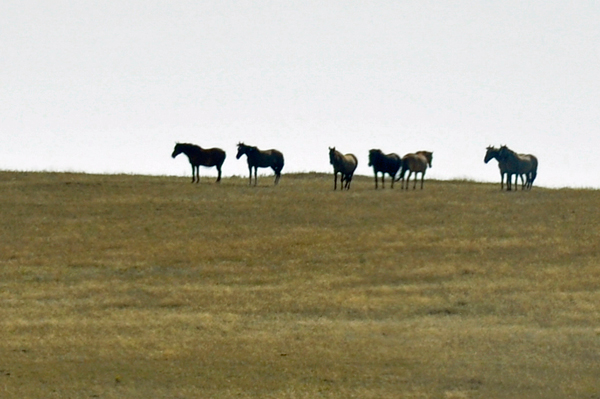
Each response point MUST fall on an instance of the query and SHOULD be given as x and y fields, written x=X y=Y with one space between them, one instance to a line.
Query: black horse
x=518 y=164
x=198 y=156
x=383 y=163
x=261 y=159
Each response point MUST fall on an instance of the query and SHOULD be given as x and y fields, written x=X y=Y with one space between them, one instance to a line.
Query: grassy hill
x=151 y=287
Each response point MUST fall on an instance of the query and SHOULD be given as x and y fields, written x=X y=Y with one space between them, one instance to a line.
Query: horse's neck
x=254 y=153
x=192 y=151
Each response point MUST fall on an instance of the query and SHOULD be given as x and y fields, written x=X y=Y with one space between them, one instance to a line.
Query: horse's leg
x=255 y=177
x=277 y=175
x=250 y=172
x=382 y=180
x=422 y=179
x=219 y=176
x=334 y=181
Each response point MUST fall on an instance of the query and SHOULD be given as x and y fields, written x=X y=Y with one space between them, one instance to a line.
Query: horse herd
x=509 y=162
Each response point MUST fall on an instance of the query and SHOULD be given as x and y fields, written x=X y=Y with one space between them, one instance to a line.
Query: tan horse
x=343 y=164
x=415 y=162
x=493 y=152
x=519 y=164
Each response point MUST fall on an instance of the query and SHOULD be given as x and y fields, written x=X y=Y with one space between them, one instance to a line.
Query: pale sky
x=110 y=86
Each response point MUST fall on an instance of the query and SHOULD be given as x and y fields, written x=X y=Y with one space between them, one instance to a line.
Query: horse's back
x=218 y=153
x=211 y=157
x=267 y=158
x=415 y=162
x=352 y=162
x=393 y=162
x=278 y=159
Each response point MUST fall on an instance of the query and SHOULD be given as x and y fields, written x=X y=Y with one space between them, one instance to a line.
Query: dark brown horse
x=493 y=152
x=261 y=159
x=343 y=164
x=383 y=163
x=415 y=162
x=198 y=156
x=519 y=164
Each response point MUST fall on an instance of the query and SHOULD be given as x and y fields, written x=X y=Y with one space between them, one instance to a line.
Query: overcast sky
x=110 y=86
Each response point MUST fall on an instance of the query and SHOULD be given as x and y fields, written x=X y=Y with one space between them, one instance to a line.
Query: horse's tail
x=533 y=170
x=402 y=170
x=280 y=162
x=533 y=174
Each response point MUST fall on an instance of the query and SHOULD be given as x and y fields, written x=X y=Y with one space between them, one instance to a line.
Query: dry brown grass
x=150 y=287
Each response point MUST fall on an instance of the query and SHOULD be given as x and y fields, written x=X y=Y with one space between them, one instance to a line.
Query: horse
x=493 y=152
x=415 y=162
x=519 y=164
x=343 y=164
x=199 y=156
x=389 y=164
x=261 y=159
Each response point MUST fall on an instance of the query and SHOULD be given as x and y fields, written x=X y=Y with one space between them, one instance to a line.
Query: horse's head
x=245 y=149
x=331 y=154
x=428 y=155
x=242 y=148
x=373 y=156
x=492 y=152
x=177 y=150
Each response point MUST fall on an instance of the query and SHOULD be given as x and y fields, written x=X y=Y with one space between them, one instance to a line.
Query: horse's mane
x=188 y=145
x=506 y=149
x=250 y=147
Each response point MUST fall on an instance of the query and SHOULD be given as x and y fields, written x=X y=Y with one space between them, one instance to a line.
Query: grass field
x=151 y=287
